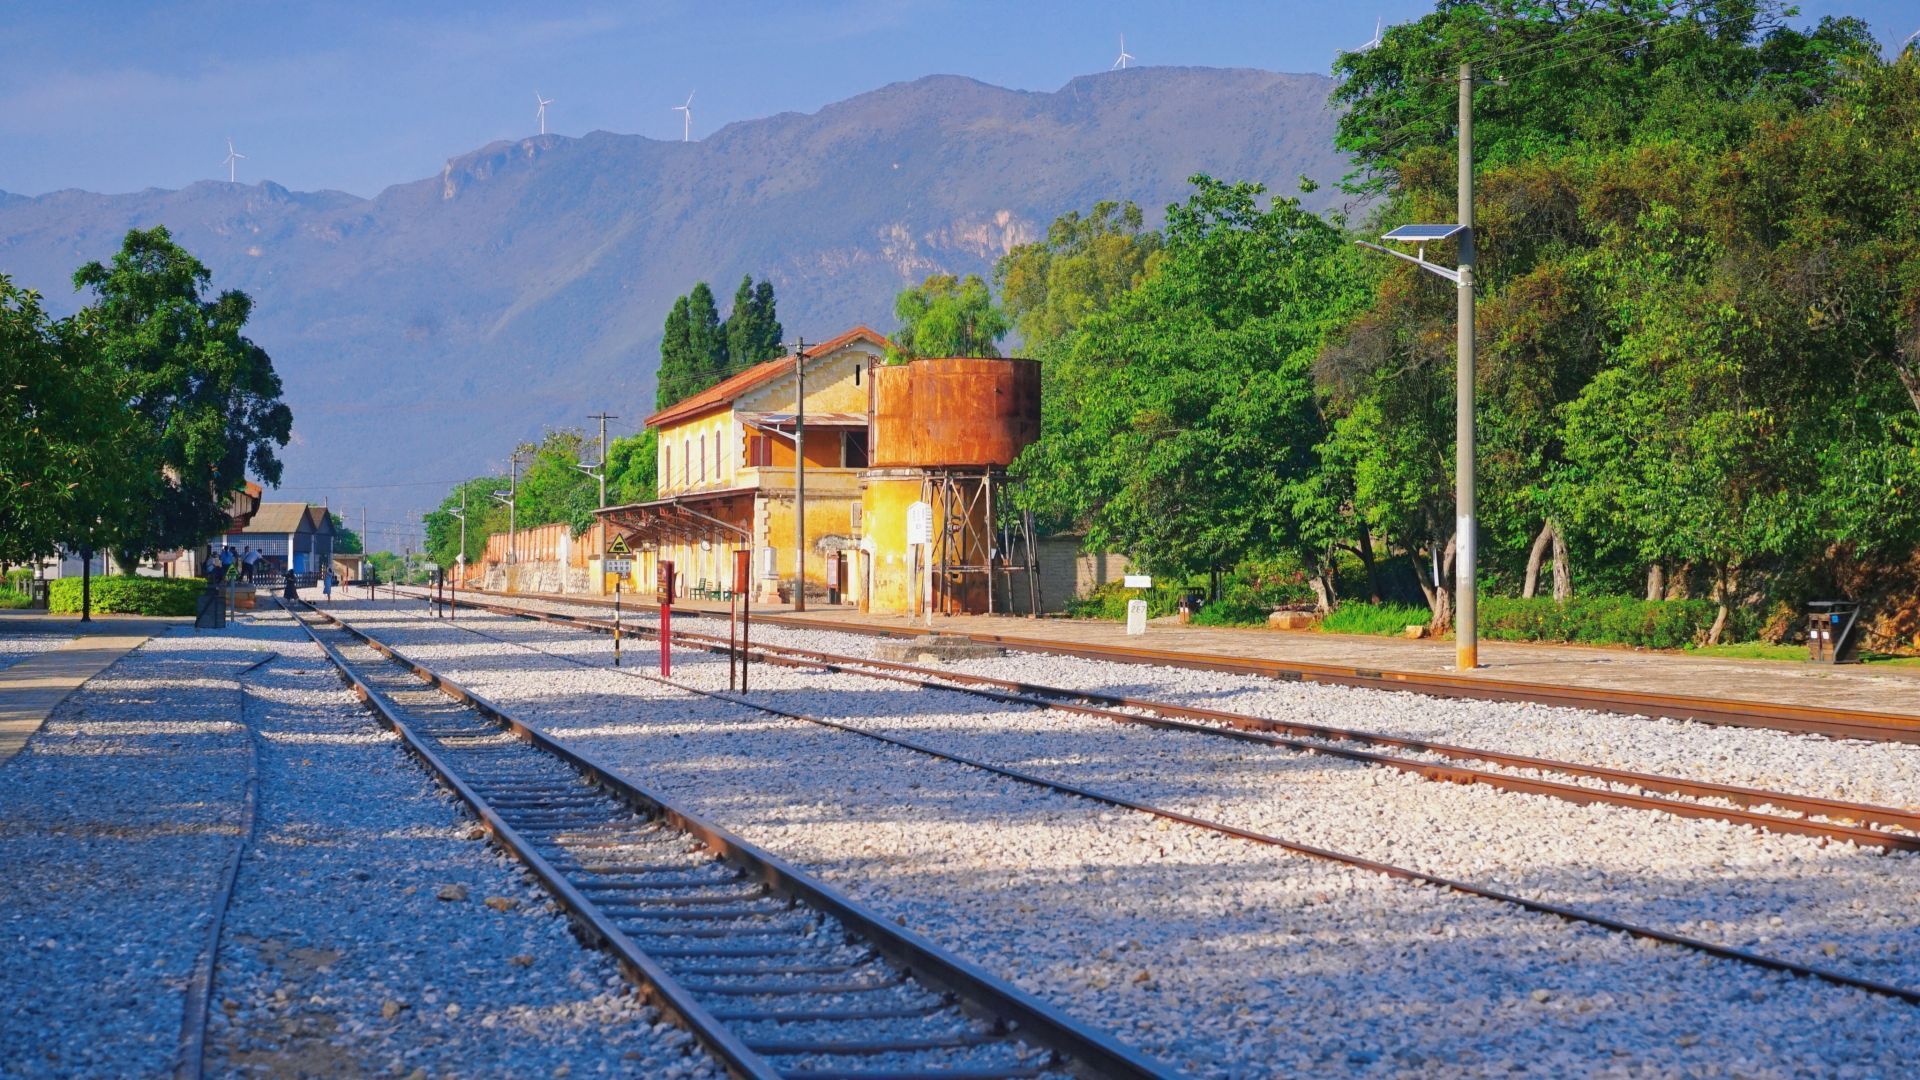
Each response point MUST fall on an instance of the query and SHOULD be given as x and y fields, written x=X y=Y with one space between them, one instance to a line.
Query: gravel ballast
x=1229 y=958
x=371 y=931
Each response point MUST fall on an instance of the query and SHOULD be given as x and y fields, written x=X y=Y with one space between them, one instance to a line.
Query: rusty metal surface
x=957 y=412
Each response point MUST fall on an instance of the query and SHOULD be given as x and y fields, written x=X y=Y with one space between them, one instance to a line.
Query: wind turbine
x=232 y=156
x=1375 y=40
x=1125 y=56
x=541 y=112
x=686 y=132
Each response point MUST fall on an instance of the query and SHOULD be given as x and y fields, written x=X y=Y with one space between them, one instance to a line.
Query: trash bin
x=1833 y=631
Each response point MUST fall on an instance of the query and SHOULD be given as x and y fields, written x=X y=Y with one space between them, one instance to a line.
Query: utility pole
x=603 y=418
x=1466 y=521
x=800 y=475
x=513 y=511
x=1466 y=625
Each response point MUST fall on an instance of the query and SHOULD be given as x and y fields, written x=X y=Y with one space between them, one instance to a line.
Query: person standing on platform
x=251 y=559
x=326 y=585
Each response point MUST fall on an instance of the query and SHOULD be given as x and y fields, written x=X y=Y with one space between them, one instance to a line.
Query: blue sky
x=118 y=96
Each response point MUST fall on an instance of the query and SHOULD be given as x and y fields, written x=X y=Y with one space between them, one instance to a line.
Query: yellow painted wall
x=884 y=523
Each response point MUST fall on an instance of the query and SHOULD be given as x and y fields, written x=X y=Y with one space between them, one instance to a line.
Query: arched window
x=703 y=458
x=666 y=471
x=686 y=457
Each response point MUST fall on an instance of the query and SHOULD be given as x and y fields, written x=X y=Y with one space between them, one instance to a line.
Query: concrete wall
x=1067 y=572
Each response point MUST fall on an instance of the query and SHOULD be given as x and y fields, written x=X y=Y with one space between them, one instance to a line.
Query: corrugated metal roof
x=287 y=517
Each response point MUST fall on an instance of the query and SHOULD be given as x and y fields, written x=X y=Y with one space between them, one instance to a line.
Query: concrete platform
x=1868 y=687
x=1852 y=686
x=31 y=689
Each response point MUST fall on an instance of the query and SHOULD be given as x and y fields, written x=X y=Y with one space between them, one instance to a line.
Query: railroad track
x=775 y=973
x=1800 y=719
x=1561 y=911
x=1805 y=815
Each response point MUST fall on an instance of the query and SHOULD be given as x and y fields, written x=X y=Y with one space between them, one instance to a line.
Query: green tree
x=1181 y=425
x=207 y=399
x=554 y=488
x=345 y=540
x=706 y=337
x=632 y=468
x=66 y=435
x=753 y=330
x=1084 y=265
x=485 y=515
x=676 y=372
x=948 y=316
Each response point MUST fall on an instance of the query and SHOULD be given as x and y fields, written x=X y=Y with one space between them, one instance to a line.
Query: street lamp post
x=1466 y=524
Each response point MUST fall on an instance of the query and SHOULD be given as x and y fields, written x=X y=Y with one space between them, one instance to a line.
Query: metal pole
x=603 y=418
x=800 y=476
x=1466 y=585
x=513 y=512
x=616 y=624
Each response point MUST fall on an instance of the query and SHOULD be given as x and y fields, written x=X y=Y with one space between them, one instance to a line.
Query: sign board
x=623 y=567
x=1139 y=581
x=742 y=571
x=919 y=523
x=618 y=546
x=461 y=559
x=433 y=568
x=663 y=584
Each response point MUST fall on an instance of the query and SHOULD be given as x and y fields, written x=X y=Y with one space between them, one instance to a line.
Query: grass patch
x=1760 y=650
x=10 y=599
x=1384 y=620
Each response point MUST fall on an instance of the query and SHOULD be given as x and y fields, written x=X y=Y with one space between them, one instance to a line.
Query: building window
x=666 y=474
x=853 y=449
x=686 y=461
x=703 y=459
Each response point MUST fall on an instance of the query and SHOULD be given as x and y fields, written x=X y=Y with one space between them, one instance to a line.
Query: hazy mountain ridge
x=527 y=283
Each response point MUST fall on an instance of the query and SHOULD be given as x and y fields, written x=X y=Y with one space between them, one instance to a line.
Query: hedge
x=128 y=595
x=1605 y=620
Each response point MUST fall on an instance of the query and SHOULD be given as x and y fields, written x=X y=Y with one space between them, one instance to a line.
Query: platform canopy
x=722 y=517
x=783 y=421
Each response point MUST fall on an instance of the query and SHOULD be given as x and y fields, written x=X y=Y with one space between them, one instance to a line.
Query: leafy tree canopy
x=1082 y=267
x=948 y=316
x=207 y=399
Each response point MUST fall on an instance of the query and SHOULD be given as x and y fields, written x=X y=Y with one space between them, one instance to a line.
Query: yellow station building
x=726 y=476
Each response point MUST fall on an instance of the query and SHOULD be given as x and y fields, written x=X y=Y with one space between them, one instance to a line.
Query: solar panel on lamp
x=1422 y=234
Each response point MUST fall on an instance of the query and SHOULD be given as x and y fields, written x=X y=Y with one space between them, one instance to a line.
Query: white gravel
x=1886 y=774
x=337 y=958
x=17 y=646
x=1234 y=959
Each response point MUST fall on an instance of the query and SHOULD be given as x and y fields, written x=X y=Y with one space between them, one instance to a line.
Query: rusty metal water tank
x=955 y=411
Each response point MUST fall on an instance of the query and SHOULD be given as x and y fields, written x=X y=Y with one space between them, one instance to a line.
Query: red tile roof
x=724 y=392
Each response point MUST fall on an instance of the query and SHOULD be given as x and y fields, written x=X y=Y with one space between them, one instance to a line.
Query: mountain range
x=424 y=331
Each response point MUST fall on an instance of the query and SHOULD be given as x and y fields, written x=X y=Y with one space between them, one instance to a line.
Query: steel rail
x=1545 y=907
x=1798 y=719
x=190 y=1059
x=1085 y=1051
x=1292 y=735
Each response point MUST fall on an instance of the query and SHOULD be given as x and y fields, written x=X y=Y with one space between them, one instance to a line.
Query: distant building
x=289 y=535
x=184 y=562
x=726 y=473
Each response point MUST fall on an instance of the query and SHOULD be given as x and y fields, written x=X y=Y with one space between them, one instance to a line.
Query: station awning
x=783 y=421
x=722 y=517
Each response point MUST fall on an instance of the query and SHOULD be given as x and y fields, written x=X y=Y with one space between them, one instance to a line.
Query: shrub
x=1109 y=601
x=129 y=595
x=1605 y=620
x=11 y=599
x=17 y=580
